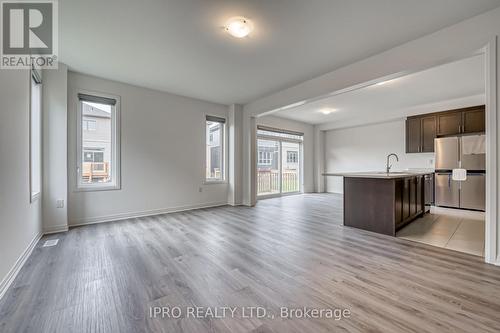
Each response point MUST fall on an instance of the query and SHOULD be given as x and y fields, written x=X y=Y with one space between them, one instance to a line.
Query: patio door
x=290 y=167
x=278 y=162
x=268 y=167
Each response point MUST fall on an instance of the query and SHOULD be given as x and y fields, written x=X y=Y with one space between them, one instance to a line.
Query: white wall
x=308 y=145
x=20 y=220
x=235 y=131
x=365 y=148
x=319 y=160
x=162 y=154
x=55 y=178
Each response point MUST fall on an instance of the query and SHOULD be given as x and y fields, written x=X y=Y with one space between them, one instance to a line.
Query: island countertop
x=379 y=174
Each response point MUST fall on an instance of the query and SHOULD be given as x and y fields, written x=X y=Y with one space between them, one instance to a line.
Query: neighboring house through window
x=98 y=142
x=35 y=136
x=89 y=125
x=214 y=162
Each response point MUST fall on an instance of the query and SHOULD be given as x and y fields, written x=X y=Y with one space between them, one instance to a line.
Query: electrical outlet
x=60 y=203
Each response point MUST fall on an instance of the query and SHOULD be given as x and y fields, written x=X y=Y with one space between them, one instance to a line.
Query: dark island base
x=383 y=205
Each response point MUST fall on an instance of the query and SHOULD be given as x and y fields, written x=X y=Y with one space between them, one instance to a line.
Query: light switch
x=60 y=203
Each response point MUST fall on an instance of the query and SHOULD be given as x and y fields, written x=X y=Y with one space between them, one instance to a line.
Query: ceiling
x=180 y=46
x=395 y=98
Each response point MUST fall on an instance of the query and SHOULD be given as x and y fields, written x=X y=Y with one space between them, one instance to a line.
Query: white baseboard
x=497 y=262
x=11 y=275
x=55 y=229
x=130 y=215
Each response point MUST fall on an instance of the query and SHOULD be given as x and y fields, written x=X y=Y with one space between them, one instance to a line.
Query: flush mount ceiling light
x=327 y=111
x=239 y=27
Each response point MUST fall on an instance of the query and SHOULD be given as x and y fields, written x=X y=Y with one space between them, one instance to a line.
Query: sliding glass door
x=278 y=163
x=290 y=174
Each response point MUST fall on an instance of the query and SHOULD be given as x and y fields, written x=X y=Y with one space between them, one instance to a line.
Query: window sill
x=214 y=182
x=97 y=188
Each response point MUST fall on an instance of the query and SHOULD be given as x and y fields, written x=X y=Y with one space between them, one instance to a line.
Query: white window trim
x=34 y=196
x=115 y=184
x=207 y=181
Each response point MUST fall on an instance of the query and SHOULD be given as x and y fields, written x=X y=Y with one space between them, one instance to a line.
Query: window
x=90 y=155
x=98 y=158
x=292 y=157
x=214 y=149
x=89 y=125
x=35 y=136
x=265 y=157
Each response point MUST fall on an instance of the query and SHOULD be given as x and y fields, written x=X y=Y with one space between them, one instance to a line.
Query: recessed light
x=239 y=27
x=327 y=111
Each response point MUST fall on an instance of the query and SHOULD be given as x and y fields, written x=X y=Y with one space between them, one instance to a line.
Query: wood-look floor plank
x=290 y=251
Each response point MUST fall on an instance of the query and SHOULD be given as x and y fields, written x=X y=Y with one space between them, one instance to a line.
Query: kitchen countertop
x=379 y=174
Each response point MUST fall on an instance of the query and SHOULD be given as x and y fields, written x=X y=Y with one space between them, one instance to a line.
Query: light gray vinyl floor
x=286 y=252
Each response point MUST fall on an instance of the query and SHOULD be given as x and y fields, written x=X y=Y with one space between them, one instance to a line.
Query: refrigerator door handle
x=460 y=152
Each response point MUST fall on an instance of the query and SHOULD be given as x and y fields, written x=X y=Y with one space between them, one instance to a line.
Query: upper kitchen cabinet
x=474 y=121
x=421 y=130
x=420 y=134
x=429 y=133
x=449 y=123
x=413 y=135
x=461 y=121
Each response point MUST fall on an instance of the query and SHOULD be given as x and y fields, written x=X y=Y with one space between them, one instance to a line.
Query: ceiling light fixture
x=239 y=27
x=327 y=111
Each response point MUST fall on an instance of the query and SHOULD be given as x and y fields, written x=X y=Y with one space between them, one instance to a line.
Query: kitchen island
x=382 y=202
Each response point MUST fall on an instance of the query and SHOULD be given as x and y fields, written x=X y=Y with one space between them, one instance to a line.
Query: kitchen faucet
x=388 y=167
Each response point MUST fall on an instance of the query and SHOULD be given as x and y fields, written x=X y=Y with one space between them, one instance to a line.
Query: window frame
x=223 y=140
x=35 y=194
x=115 y=183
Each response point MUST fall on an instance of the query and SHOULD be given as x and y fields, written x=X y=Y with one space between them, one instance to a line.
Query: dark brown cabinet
x=420 y=134
x=428 y=134
x=409 y=200
x=462 y=121
x=474 y=121
x=449 y=123
x=388 y=203
x=422 y=130
x=413 y=135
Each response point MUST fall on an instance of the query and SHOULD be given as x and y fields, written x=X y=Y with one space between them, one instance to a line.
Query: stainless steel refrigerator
x=450 y=154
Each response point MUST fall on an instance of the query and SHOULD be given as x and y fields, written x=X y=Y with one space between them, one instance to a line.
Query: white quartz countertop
x=380 y=174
